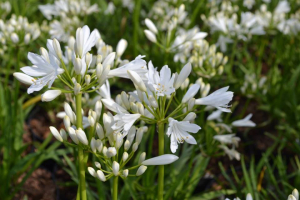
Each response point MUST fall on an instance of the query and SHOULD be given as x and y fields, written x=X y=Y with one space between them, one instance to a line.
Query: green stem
x=81 y=160
x=115 y=188
x=161 y=137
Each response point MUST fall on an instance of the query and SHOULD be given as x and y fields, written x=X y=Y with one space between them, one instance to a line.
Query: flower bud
x=99 y=70
x=87 y=79
x=99 y=145
x=185 y=83
x=141 y=170
x=57 y=49
x=104 y=150
x=109 y=60
x=63 y=134
x=81 y=136
x=27 y=38
x=91 y=121
x=133 y=107
x=71 y=42
x=141 y=108
x=50 y=95
x=99 y=59
x=92 y=171
x=161 y=160
x=14 y=38
x=93 y=145
x=184 y=73
x=101 y=175
x=291 y=197
x=111 y=152
x=125 y=173
x=137 y=80
x=151 y=26
x=190 y=117
x=142 y=157
x=88 y=58
x=125 y=101
x=119 y=140
x=122 y=45
x=127 y=145
x=295 y=193
x=69 y=112
x=98 y=109
x=67 y=122
x=73 y=135
x=125 y=156
x=77 y=66
x=98 y=165
x=77 y=88
x=135 y=146
x=56 y=134
x=99 y=131
x=139 y=135
x=23 y=78
x=150 y=35
x=115 y=168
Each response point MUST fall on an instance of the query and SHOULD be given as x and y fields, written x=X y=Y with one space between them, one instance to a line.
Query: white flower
x=113 y=106
x=282 y=7
x=161 y=160
x=85 y=40
x=218 y=99
x=179 y=132
x=160 y=82
x=228 y=139
x=246 y=122
x=138 y=65
x=124 y=121
x=232 y=153
x=50 y=95
x=42 y=68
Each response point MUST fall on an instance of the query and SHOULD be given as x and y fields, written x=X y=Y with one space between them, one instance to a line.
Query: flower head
x=179 y=132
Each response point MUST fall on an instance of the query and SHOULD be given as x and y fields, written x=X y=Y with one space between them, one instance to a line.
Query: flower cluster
x=17 y=31
x=66 y=14
x=223 y=18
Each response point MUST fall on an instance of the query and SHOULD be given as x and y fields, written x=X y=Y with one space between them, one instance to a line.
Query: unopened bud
x=141 y=170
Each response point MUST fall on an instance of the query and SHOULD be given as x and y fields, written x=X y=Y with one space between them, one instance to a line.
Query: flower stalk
x=115 y=188
x=161 y=135
x=81 y=160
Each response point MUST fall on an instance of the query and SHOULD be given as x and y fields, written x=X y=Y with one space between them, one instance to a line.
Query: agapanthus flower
x=179 y=131
x=161 y=83
x=46 y=70
x=124 y=121
x=218 y=99
x=246 y=122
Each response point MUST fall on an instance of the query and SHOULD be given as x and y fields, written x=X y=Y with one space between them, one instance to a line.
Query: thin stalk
x=115 y=188
x=161 y=137
x=81 y=160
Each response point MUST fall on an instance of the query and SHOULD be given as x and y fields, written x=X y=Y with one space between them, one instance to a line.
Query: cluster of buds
x=18 y=31
x=67 y=15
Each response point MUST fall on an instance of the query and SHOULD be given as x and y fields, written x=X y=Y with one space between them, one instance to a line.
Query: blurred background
x=250 y=45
